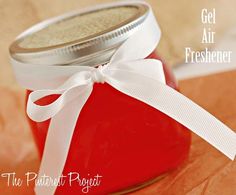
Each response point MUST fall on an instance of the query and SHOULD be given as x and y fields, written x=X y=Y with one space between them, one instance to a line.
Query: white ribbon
x=128 y=72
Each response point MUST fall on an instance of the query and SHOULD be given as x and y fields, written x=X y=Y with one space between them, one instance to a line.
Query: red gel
x=119 y=138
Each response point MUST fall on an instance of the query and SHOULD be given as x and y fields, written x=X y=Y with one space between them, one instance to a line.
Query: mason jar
x=129 y=143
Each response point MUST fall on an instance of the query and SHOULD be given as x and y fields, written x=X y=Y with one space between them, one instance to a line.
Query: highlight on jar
x=125 y=97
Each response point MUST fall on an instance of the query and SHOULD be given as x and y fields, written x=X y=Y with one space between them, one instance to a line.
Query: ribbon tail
x=182 y=109
x=58 y=141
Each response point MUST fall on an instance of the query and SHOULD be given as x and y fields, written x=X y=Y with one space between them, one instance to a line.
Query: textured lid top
x=76 y=37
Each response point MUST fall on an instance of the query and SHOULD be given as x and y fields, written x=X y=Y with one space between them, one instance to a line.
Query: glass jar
x=127 y=142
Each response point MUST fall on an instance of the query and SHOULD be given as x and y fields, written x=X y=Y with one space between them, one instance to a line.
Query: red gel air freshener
x=119 y=142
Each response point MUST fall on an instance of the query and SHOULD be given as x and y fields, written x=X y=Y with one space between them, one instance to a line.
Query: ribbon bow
x=128 y=72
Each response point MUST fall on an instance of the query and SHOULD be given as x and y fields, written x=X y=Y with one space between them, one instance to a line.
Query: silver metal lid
x=94 y=48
